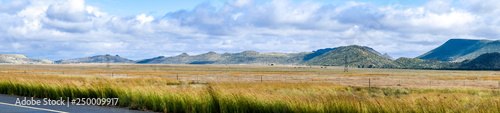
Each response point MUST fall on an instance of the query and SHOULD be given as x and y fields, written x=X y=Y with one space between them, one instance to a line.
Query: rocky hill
x=97 y=59
x=457 y=50
x=21 y=59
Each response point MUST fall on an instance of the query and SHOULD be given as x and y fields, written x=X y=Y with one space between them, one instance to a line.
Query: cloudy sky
x=140 y=29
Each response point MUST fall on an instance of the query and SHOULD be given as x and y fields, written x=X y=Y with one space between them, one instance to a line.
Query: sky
x=141 y=29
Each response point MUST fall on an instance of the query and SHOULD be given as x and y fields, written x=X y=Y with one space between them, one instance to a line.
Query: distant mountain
x=21 y=59
x=465 y=54
x=254 y=57
x=184 y=58
x=97 y=59
x=357 y=56
x=360 y=56
x=245 y=57
x=458 y=50
x=484 y=61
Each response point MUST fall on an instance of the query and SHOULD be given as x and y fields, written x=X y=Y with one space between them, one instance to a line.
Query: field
x=250 y=88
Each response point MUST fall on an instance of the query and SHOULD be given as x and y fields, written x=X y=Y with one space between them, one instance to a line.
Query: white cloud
x=71 y=11
x=439 y=6
x=144 y=19
x=73 y=29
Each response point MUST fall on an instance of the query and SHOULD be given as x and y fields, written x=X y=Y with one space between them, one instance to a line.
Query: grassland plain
x=246 y=88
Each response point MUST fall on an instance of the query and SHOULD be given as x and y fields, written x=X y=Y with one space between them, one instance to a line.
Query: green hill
x=414 y=63
x=357 y=56
x=323 y=51
x=458 y=50
x=484 y=61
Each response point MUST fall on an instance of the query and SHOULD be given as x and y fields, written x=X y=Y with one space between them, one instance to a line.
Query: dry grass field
x=252 y=88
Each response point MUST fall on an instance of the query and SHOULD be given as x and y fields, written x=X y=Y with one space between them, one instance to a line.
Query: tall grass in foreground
x=158 y=94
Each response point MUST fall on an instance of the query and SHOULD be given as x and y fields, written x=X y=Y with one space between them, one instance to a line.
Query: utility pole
x=346 y=66
x=369 y=84
x=107 y=61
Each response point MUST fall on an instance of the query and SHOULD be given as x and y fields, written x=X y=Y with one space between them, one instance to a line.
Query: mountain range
x=245 y=57
x=254 y=57
x=453 y=54
x=360 y=56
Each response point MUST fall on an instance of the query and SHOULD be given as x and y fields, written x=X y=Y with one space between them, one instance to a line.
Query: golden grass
x=321 y=90
x=158 y=95
x=464 y=77
x=364 y=75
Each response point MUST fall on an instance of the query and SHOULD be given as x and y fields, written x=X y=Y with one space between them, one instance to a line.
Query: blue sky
x=62 y=29
x=151 y=7
x=161 y=7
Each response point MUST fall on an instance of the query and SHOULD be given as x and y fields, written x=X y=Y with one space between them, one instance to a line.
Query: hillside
x=357 y=56
x=97 y=59
x=21 y=59
x=414 y=63
x=484 y=61
x=317 y=53
x=458 y=50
